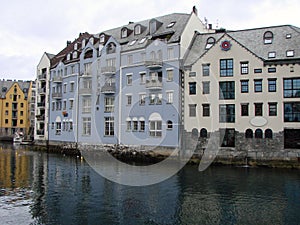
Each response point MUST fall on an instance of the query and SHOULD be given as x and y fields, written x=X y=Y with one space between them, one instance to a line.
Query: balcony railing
x=86 y=73
x=41 y=104
x=154 y=64
x=57 y=79
x=108 y=70
x=42 y=76
x=154 y=84
x=42 y=91
x=40 y=117
x=108 y=88
x=40 y=132
x=85 y=91
x=56 y=95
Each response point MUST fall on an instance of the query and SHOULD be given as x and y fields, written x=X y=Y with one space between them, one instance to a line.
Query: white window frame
x=86 y=126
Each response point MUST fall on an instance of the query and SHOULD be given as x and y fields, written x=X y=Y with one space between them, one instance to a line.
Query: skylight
x=142 y=40
x=171 y=24
x=132 y=42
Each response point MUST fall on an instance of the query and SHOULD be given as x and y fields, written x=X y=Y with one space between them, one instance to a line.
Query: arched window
x=153 y=26
x=155 y=125
x=152 y=55
x=268 y=133
x=111 y=48
x=75 y=55
x=210 y=42
x=268 y=37
x=258 y=133
x=137 y=29
x=169 y=125
x=203 y=133
x=249 y=133
x=124 y=32
x=102 y=38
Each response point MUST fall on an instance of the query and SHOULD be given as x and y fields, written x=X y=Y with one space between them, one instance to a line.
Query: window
x=102 y=38
x=109 y=126
x=203 y=133
x=142 y=125
x=206 y=87
x=268 y=133
x=143 y=78
x=192 y=110
x=137 y=29
x=155 y=128
x=244 y=67
x=132 y=43
x=129 y=79
x=257 y=85
x=65 y=88
x=272 y=70
x=71 y=102
x=245 y=109
x=58 y=128
x=272 y=85
x=53 y=106
x=290 y=53
x=135 y=125
x=205 y=69
x=291 y=88
x=249 y=133
x=111 y=48
x=6 y=112
x=124 y=32
x=6 y=121
x=109 y=104
x=227 y=113
x=87 y=84
x=142 y=99
x=170 y=53
x=86 y=126
x=209 y=43
x=64 y=105
x=258 y=109
x=142 y=40
x=192 y=74
x=226 y=67
x=6 y=104
x=70 y=126
x=192 y=88
x=226 y=90
x=169 y=97
x=159 y=99
x=86 y=105
x=151 y=99
x=257 y=70
x=258 y=133
x=268 y=37
x=292 y=112
x=170 y=74
x=227 y=137
x=22 y=104
x=71 y=87
x=128 y=99
x=169 y=125
x=205 y=110
x=171 y=24
x=129 y=59
x=244 y=86
x=288 y=36
x=21 y=113
x=128 y=124
x=271 y=55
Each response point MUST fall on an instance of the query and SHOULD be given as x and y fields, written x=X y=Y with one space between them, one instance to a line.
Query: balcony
x=154 y=64
x=42 y=76
x=108 y=88
x=108 y=70
x=40 y=132
x=41 y=104
x=40 y=117
x=153 y=84
x=57 y=79
x=57 y=95
x=85 y=91
x=86 y=74
x=42 y=91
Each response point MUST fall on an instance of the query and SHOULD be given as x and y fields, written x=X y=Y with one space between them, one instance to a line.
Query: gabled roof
x=253 y=41
x=5 y=86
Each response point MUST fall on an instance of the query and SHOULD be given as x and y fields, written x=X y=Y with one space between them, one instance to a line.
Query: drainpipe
x=120 y=105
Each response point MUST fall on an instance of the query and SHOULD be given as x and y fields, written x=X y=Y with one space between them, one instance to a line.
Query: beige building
x=244 y=86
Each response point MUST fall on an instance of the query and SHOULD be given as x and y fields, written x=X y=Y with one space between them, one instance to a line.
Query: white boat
x=18 y=137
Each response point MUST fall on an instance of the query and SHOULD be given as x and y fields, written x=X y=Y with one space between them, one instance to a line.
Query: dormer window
x=102 y=38
x=290 y=53
x=75 y=55
x=75 y=46
x=271 y=54
x=153 y=26
x=124 y=33
x=69 y=56
x=268 y=37
x=137 y=29
x=171 y=24
x=83 y=43
x=4 y=89
x=92 y=40
x=111 y=48
x=210 y=42
x=288 y=36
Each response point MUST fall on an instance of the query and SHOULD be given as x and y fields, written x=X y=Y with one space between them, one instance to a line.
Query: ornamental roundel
x=225 y=45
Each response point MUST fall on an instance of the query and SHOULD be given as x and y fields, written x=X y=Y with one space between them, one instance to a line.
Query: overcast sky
x=30 y=28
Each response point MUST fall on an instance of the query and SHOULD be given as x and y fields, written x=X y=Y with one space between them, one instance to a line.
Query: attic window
x=137 y=29
x=69 y=56
x=83 y=43
x=124 y=32
x=74 y=55
x=75 y=46
x=102 y=38
x=92 y=40
x=153 y=26
x=288 y=36
x=4 y=89
x=268 y=37
x=171 y=24
x=290 y=53
x=132 y=42
x=111 y=48
x=271 y=54
x=142 y=40
x=210 y=42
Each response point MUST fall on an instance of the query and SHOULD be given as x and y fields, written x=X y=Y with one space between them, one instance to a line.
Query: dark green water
x=41 y=188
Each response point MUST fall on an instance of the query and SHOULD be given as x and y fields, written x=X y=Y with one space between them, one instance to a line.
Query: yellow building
x=15 y=97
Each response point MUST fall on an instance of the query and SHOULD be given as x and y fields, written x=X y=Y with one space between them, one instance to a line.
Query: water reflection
x=53 y=189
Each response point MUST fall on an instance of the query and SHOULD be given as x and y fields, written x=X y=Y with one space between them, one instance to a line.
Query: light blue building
x=126 y=82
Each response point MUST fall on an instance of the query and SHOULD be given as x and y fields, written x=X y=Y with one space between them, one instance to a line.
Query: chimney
x=195 y=10
x=68 y=43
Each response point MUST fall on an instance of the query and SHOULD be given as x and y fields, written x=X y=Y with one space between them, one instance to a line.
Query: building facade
x=42 y=99
x=15 y=105
x=122 y=86
x=243 y=88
